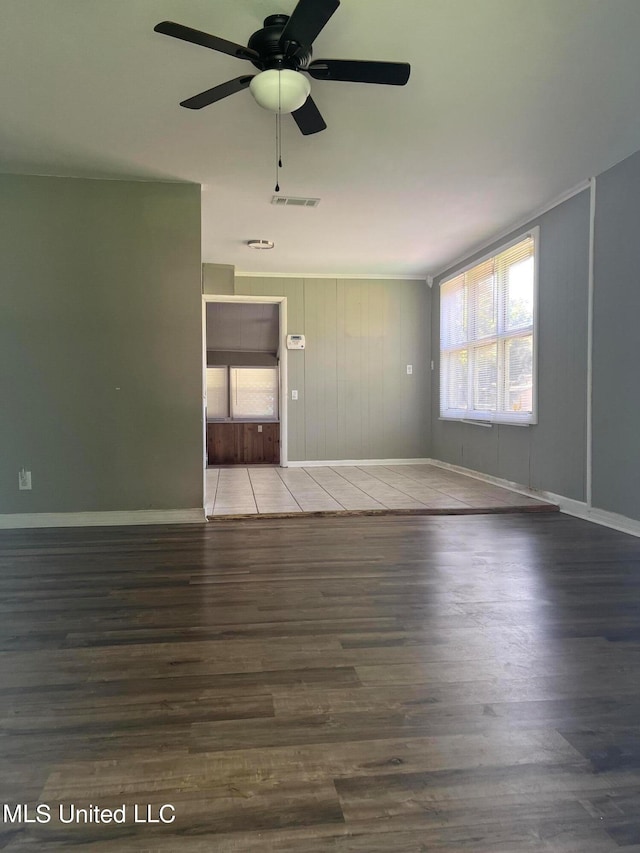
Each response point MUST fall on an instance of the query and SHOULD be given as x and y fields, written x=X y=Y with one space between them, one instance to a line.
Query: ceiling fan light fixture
x=282 y=91
x=260 y=244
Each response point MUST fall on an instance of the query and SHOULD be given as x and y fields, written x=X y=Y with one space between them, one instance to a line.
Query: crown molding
x=361 y=276
x=515 y=226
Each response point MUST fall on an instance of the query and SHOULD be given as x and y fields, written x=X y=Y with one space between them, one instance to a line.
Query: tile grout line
x=355 y=486
x=406 y=494
x=416 y=480
x=289 y=490
x=448 y=494
x=215 y=493
x=320 y=486
x=336 y=471
x=351 y=485
x=255 y=500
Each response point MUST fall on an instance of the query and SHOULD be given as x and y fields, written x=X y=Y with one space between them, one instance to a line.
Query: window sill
x=243 y=420
x=484 y=423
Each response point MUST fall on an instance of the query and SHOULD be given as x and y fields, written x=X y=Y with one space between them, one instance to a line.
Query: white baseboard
x=504 y=484
x=613 y=520
x=336 y=463
x=101 y=519
x=578 y=509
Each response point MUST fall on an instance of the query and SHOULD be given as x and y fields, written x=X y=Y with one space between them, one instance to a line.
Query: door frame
x=282 y=363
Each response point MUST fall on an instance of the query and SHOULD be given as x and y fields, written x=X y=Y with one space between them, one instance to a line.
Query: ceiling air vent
x=291 y=201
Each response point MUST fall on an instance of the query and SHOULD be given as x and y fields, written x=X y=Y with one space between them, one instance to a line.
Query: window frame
x=485 y=417
x=251 y=418
x=226 y=417
x=246 y=418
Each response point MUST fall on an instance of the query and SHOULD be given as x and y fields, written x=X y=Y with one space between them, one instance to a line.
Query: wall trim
x=13 y=521
x=614 y=520
x=499 y=481
x=361 y=276
x=283 y=362
x=516 y=226
x=569 y=506
x=337 y=463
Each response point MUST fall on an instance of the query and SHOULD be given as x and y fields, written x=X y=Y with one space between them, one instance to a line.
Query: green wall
x=550 y=455
x=356 y=400
x=616 y=319
x=100 y=345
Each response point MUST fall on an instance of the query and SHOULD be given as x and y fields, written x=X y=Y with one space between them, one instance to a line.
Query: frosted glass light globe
x=284 y=91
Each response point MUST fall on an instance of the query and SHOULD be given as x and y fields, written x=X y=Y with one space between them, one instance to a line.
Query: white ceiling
x=510 y=104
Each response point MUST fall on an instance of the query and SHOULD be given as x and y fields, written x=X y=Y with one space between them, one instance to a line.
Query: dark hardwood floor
x=370 y=685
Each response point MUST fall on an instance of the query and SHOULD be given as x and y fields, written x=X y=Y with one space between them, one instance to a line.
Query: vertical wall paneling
x=355 y=398
x=321 y=371
x=393 y=355
x=415 y=345
x=616 y=321
x=550 y=455
x=356 y=391
x=377 y=321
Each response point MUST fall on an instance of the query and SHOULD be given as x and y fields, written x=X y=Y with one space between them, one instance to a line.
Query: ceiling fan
x=281 y=50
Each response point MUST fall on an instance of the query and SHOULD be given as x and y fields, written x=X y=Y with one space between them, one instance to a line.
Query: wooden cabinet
x=243 y=443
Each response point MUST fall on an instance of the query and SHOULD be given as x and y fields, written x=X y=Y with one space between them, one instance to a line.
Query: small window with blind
x=242 y=393
x=217 y=393
x=254 y=392
x=488 y=338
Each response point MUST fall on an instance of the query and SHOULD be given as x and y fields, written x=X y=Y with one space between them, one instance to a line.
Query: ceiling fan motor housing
x=266 y=42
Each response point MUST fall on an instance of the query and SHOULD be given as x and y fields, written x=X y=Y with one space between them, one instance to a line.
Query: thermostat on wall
x=295 y=341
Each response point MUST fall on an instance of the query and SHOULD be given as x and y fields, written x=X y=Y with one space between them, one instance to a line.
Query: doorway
x=245 y=381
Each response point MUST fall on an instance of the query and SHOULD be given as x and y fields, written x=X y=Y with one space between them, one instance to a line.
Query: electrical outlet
x=24 y=480
x=259 y=427
x=294 y=395
x=409 y=369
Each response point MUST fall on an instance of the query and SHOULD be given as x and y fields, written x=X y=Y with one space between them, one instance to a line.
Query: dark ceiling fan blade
x=178 y=31
x=307 y=20
x=308 y=118
x=359 y=71
x=197 y=102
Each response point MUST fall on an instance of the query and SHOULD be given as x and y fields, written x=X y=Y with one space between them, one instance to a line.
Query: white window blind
x=254 y=392
x=217 y=392
x=487 y=338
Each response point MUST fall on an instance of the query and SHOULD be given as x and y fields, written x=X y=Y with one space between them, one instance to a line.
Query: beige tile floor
x=265 y=489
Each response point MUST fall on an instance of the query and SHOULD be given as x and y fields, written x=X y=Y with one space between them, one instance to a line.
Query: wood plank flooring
x=387 y=684
x=424 y=489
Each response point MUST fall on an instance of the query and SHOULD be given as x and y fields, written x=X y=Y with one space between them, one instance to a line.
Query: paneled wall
x=616 y=335
x=552 y=454
x=355 y=400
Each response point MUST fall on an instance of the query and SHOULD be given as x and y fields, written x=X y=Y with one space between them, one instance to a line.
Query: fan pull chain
x=278 y=139
x=277 y=188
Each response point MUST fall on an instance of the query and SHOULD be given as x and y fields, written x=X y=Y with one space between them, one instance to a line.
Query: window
x=217 y=392
x=242 y=393
x=488 y=338
x=254 y=392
